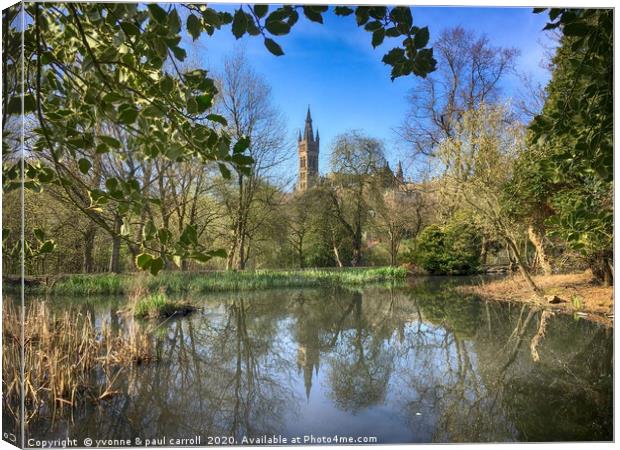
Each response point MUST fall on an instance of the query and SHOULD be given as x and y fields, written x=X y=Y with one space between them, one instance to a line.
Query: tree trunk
x=115 y=257
x=483 y=252
x=300 y=253
x=230 y=259
x=357 y=247
x=522 y=268
x=88 y=264
x=536 y=239
x=241 y=246
x=602 y=269
x=336 y=252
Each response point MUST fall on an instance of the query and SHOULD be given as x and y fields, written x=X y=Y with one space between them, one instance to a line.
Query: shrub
x=453 y=248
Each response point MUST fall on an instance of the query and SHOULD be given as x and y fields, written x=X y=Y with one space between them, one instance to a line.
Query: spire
x=399 y=172
x=317 y=135
x=299 y=136
x=308 y=130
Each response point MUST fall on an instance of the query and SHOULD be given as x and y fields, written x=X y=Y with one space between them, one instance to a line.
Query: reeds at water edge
x=62 y=351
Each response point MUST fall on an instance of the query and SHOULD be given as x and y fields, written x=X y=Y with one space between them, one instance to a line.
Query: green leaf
x=29 y=103
x=156 y=265
x=192 y=105
x=377 y=37
x=312 y=14
x=130 y=29
x=189 y=235
x=128 y=114
x=46 y=175
x=157 y=12
x=164 y=235
x=239 y=24
x=361 y=15
x=200 y=257
x=39 y=234
x=392 y=32
x=219 y=253
x=194 y=27
x=148 y=231
x=421 y=38
x=273 y=47
x=166 y=84
x=402 y=16
x=241 y=145
x=217 y=118
x=179 y=53
x=108 y=140
x=84 y=165
x=174 y=21
x=143 y=260
x=112 y=97
x=394 y=56
x=204 y=102
x=47 y=247
x=277 y=28
x=261 y=10
x=152 y=111
x=15 y=104
x=373 y=26
x=343 y=10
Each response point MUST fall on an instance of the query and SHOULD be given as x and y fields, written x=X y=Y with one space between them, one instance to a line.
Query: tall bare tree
x=245 y=101
x=469 y=73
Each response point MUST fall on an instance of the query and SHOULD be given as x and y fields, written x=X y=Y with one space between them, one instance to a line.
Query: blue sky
x=334 y=69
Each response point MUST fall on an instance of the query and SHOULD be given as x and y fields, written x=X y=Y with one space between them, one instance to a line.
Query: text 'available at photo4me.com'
x=198 y=440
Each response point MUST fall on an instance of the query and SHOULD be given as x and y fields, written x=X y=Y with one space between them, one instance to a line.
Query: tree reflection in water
x=420 y=360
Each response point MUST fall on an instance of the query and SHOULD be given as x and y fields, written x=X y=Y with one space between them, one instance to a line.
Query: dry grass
x=579 y=292
x=62 y=352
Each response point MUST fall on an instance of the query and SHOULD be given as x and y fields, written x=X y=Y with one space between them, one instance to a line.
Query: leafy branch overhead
x=411 y=57
x=105 y=80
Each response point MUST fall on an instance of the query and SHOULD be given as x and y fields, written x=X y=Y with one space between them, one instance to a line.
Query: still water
x=402 y=365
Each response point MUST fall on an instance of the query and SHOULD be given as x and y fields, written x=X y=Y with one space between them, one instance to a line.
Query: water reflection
x=416 y=364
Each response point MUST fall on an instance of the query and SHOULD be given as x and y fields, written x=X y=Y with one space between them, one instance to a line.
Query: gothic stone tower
x=308 y=148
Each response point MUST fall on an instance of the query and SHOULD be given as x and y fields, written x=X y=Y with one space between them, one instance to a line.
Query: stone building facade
x=308 y=149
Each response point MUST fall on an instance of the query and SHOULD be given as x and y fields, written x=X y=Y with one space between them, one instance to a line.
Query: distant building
x=399 y=173
x=308 y=149
x=308 y=174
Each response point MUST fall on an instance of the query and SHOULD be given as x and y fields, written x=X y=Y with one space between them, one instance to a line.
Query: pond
x=410 y=364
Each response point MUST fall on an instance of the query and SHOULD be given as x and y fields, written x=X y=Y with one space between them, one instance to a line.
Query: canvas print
x=303 y=224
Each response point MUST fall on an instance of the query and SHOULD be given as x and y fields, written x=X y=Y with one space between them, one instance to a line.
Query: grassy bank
x=198 y=282
x=576 y=293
